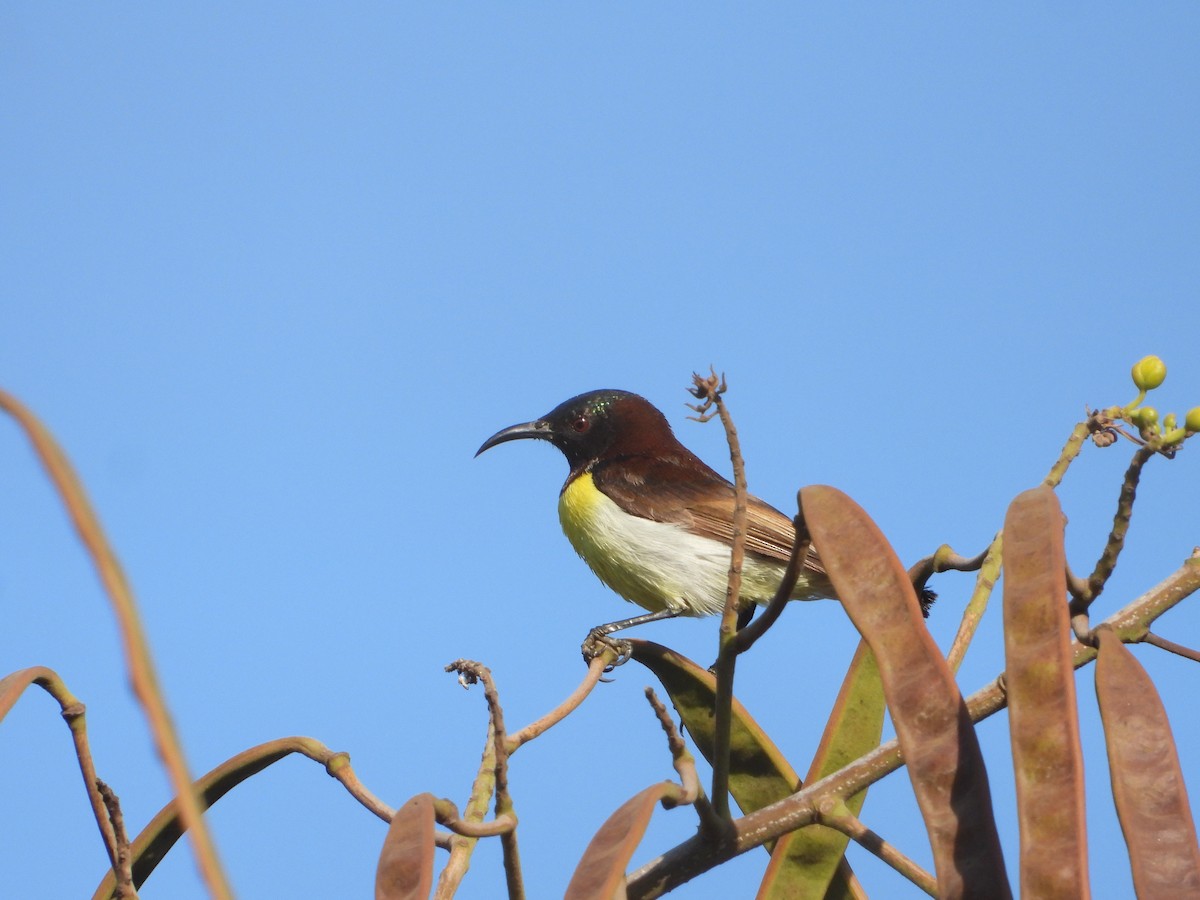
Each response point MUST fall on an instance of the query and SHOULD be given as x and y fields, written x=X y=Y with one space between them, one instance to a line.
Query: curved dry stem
x=744 y=639
x=943 y=559
x=681 y=758
x=74 y=714
x=165 y=829
x=137 y=650
x=447 y=815
x=595 y=671
x=1170 y=646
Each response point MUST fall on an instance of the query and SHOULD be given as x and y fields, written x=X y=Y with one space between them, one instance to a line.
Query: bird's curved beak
x=537 y=429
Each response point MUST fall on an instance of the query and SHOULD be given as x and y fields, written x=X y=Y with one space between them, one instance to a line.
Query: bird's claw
x=597 y=643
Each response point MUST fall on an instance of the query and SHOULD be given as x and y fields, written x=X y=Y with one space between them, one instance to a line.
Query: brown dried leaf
x=601 y=872
x=1148 y=787
x=1043 y=717
x=931 y=719
x=405 y=869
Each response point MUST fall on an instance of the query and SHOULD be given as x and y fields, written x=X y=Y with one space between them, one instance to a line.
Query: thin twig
x=709 y=391
x=1163 y=644
x=1116 y=538
x=985 y=583
x=837 y=815
x=161 y=833
x=745 y=638
x=124 y=867
x=474 y=671
x=337 y=765
x=462 y=847
x=137 y=651
x=1071 y=450
x=595 y=670
x=681 y=757
x=943 y=559
x=74 y=713
x=475 y=811
x=447 y=815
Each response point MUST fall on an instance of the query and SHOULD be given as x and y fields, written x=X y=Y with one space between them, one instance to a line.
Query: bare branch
x=124 y=863
x=744 y=639
x=837 y=815
x=944 y=559
x=1071 y=449
x=681 y=757
x=595 y=670
x=1178 y=649
x=474 y=671
x=710 y=390
x=462 y=847
x=1116 y=537
x=447 y=815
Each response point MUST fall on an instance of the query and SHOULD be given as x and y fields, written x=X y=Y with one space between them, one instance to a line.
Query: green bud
x=1169 y=421
x=1148 y=373
x=1145 y=417
x=1192 y=420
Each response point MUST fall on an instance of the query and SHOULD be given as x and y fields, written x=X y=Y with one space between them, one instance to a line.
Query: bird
x=654 y=521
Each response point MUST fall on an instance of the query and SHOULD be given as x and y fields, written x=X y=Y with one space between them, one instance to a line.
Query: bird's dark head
x=596 y=425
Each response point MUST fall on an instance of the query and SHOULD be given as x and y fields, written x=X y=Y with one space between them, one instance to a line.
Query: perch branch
x=595 y=670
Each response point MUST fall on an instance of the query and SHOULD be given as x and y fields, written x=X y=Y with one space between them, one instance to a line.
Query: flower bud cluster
x=1148 y=373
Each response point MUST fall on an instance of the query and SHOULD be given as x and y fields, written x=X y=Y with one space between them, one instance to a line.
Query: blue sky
x=272 y=272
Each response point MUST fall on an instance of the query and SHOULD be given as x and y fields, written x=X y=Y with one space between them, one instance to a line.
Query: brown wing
x=690 y=494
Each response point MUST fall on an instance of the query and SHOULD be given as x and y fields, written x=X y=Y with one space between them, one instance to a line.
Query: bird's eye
x=581 y=424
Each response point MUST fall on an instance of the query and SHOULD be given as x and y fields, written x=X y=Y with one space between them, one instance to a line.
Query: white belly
x=655 y=564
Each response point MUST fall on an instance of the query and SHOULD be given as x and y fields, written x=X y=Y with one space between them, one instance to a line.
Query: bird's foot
x=598 y=642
